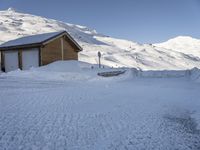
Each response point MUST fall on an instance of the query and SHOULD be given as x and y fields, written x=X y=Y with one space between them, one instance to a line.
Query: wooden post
x=99 y=62
x=99 y=55
x=40 y=56
x=2 y=61
x=62 y=48
x=20 y=59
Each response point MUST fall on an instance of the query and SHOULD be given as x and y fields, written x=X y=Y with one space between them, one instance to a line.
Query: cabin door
x=30 y=58
x=11 y=61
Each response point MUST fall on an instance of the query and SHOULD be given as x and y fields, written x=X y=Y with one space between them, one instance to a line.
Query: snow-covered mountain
x=115 y=52
x=184 y=44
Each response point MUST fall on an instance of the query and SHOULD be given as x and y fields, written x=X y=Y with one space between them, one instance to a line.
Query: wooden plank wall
x=53 y=51
x=70 y=52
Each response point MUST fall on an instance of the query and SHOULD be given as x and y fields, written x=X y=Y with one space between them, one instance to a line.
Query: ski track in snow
x=97 y=115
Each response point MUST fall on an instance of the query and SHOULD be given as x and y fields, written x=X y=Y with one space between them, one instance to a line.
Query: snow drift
x=82 y=71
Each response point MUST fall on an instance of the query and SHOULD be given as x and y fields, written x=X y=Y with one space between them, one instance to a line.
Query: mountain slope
x=184 y=44
x=115 y=52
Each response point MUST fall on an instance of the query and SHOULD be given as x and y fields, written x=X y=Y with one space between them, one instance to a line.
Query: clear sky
x=145 y=21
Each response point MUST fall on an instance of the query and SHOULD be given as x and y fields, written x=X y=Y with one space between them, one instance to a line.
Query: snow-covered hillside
x=116 y=52
x=184 y=44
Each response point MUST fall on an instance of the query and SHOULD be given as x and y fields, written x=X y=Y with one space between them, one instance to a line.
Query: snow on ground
x=61 y=70
x=136 y=110
x=65 y=105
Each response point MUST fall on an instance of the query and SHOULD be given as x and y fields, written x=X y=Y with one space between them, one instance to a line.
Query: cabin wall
x=70 y=52
x=53 y=51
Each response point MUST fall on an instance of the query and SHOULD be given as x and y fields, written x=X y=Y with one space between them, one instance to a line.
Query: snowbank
x=77 y=70
x=60 y=70
x=163 y=74
x=195 y=74
x=66 y=66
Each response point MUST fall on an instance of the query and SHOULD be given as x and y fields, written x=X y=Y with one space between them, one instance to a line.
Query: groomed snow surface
x=65 y=105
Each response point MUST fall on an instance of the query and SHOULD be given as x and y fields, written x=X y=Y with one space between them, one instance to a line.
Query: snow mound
x=195 y=74
x=66 y=66
x=60 y=70
x=77 y=70
x=163 y=74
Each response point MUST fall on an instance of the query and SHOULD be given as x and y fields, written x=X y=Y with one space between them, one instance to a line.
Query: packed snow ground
x=79 y=110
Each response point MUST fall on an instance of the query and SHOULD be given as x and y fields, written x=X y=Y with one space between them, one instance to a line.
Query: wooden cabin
x=38 y=50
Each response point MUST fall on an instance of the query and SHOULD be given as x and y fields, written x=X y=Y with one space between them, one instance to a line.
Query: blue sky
x=145 y=21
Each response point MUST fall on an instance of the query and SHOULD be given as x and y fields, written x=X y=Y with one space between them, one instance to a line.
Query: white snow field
x=115 y=52
x=65 y=105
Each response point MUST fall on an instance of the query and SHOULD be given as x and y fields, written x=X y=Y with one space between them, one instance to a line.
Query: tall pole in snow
x=99 y=55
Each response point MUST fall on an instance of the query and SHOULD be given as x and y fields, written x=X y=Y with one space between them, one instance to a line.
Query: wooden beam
x=40 y=56
x=53 y=38
x=1 y=61
x=20 y=59
x=62 y=48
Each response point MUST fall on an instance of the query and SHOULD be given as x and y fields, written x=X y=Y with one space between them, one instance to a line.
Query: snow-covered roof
x=35 y=40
